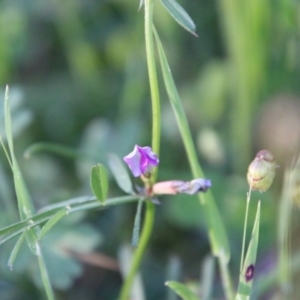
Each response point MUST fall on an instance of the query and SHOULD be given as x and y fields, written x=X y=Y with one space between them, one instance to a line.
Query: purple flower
x=194 y=186
x=141 y=160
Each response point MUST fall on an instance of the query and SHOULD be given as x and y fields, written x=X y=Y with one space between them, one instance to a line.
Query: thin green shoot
x=245 y=228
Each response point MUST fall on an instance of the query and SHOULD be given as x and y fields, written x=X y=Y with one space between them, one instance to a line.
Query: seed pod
x=261 y=171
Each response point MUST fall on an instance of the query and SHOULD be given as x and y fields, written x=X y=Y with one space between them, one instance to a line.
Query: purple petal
x=133 y=162
x=141 y=160
x=201 y=185
x=194 y=186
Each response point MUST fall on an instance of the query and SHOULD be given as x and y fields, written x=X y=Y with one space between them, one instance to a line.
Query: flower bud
x=183 y=187
x=261 y=171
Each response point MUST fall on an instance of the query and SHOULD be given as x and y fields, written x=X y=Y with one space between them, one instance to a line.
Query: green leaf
x=217 y=234
x=245 y=283
x=15 y=251
x=52 y=221
x=120 y=173
x=180 y=15
x=137 y=224
x=7 y=116
x=25 y=205
x=99 y=182
x=182 y=291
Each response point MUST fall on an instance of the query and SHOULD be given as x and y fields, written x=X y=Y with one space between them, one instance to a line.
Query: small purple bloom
x=141 y=160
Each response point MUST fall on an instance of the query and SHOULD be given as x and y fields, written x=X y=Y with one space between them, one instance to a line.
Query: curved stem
x=156 y=119
x=147 y=229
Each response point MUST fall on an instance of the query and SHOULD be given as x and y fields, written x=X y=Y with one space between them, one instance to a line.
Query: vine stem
x=245 y=227
x=156 y=125
x=156 y=119
x=147 y=229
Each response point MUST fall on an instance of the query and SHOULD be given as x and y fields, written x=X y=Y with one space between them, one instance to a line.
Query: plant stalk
x=147 y=229
x=245 y=228
x=155 y=99
x=156 y=119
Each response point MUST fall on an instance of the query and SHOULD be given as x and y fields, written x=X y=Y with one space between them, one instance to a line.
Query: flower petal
x=141 y=160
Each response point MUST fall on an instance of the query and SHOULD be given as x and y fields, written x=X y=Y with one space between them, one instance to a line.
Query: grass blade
x=290 y=194
x=246 y=277
x=15 y=251
x=25 y=205
x=180 y=15
x=182 y=291
x=52 y=221
x=217 y=234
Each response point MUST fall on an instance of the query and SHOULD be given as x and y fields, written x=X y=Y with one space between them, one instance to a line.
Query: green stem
x=45 y=276
x=245 y=227
x=156 y=119
x=147 y=229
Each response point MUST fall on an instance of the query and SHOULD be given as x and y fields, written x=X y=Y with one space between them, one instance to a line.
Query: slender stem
x=147 y=229
x=245 y=227
x=156 y=119
x=45 y=276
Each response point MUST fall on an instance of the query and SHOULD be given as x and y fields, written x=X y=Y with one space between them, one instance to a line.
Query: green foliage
x=83 y=93
x=179 y=15
x=217 y=233
x=16 y=249
x=120 y=173
x=248 y=270
x=52 y=221
x=25 y=205
x=52 y=211
x=182 y=291
x=99 y=182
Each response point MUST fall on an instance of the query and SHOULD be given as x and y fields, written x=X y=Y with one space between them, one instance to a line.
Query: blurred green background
x=78 y=78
